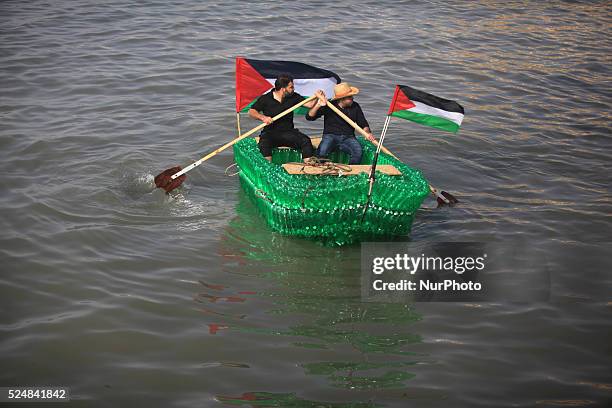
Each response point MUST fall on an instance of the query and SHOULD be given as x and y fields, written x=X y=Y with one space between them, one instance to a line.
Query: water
x=131 y=298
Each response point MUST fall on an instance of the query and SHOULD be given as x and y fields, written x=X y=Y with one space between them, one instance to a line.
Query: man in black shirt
x=281 y=132
x=337 y=134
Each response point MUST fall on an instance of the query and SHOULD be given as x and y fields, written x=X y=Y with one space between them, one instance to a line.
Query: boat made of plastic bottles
x=324 y=201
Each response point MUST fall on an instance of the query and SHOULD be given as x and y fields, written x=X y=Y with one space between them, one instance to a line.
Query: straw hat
x=344 y=89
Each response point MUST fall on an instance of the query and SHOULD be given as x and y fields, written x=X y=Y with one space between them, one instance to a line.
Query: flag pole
x=372 y=176
x=238 y=83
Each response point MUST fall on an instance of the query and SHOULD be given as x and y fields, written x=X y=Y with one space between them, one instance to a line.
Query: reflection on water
x=315 y=303
x=389 y=378
x=268 y=399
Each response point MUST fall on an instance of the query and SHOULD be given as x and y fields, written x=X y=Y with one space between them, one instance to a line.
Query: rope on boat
x=329 y=168
x=229 y=167
x=263 y=195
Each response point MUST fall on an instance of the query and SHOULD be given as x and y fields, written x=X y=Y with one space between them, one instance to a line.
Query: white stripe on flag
x=307 y=87
x=429 y=110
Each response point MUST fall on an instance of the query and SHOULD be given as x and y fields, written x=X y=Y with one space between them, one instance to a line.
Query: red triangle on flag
x=250 y=85
x=400 y=101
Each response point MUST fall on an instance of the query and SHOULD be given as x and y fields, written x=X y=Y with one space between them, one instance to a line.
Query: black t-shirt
x=269 y=106
x=334 y=124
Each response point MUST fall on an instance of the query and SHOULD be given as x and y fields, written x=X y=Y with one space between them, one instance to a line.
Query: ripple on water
x=130 y=295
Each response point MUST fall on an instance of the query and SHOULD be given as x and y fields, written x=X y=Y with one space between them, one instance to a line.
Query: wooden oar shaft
x=247 y=134
x=356 y=126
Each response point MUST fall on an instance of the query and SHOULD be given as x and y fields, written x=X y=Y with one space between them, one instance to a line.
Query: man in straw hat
x=281 y=132
x=337 y=134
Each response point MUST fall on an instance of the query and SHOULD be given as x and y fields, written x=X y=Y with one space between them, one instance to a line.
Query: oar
x=373 y=168
x=441 y=197
x=173 y=177
x=356 y=127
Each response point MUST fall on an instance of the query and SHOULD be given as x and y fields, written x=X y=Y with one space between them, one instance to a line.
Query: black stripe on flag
x=431 y=100
x=272 y=69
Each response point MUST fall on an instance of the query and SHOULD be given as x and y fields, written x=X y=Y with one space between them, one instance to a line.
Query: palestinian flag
x=426 y=109
x=256 y=77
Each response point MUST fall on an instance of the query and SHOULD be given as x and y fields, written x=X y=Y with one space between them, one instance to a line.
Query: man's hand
x=266 y=119
x=322 y=99
x=370 y=137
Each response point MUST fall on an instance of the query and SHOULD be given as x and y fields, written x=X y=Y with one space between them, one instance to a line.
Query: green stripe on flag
x=246 y=108
x=428 y=120
x=301 y=111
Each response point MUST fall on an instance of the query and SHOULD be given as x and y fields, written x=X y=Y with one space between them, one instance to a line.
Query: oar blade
x=451 y=198
x=441 y=202
x=164 y=179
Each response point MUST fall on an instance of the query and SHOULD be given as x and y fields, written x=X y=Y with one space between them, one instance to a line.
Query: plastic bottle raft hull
x=329 y=208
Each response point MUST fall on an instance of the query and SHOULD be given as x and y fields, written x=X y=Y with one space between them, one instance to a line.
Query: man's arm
x=315 y=111
x=363 y=123
x=311 y=103
x=256 y=115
